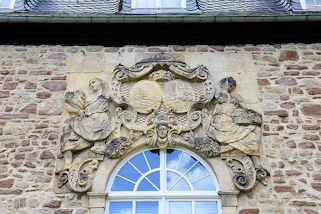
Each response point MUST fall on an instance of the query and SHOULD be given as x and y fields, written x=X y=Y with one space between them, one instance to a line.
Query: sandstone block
x=287 y=81
x=55 y=85
x=8 y=183
x=317 y=66
x=283 y=189
x=4 y=94
x=316 y=186
x=63 y=211
x=288 y=55
x=311 y=110
x=280 y=113
x=29 y=109
x=58 y=56
x=303 y=203
x=249 y=211
x=45 y=155
x=53 y=204
x=314 y=91
x=296 y=67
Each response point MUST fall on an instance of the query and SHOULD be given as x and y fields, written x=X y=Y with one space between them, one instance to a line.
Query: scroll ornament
x=164 y=102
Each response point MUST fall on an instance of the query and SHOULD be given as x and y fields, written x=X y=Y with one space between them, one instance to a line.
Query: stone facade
x=281 y=81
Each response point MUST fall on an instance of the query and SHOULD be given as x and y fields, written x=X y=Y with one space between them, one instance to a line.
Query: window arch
x=159 y=181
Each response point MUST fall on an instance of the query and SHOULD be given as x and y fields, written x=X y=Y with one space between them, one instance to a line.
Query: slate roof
x=102 y=7
x=96 y=8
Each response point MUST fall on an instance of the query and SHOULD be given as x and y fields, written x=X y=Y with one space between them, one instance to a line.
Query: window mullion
x=134 y=207
x=163 y=170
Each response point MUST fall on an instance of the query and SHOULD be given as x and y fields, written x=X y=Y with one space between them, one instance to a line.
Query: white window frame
x=163 y=197
x=305 y=6
x=158 y=5
x=12 y=2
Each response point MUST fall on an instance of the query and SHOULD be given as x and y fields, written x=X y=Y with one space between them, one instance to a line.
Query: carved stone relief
x=164 y=102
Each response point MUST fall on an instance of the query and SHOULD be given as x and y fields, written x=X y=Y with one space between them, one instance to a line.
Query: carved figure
x=232 y=125
x=91 y=124
x=238 y=130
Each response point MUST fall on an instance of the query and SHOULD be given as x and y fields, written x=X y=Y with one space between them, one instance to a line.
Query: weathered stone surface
x=4 y=94
x=10 y=85
x=57 y=56
x=311 y=110
x=53 y=204
x=30 y=85
x=310 y=211
x=55 y=85
x=303 y=203
x=288 y=55
x=280 y=113
x=249 y=211
x=63 y=211
x=314 y=91
x=8 y=183
x=263 y=82
x=283 y=189
x=311 y=127
x=287 y=81
x=317 y=66
x=293 y=173
x=45 y=155
x=10 y=192
x=307 y=145
x=29 y=109
x=316 y=186
x=296 y=67
x=43 y=95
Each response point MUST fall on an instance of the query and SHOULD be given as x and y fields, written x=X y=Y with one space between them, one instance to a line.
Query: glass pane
x=140 y=163
x=145 y=3
x=172 y=158
x=147 y=207
x=171 y=3
x=122 y=185
x=176 y=183
x=145 y=186
x=155 y=178
x=5 y=3
x=181 y=186
x=309 y=2
x=171 y=179
x=120 y=208
x=318 y=2
x=186 y=162
x=206 y=207
x=153 y=158
x=176 y=207
x=129 y=172
x=197 y=172
x=205 y=184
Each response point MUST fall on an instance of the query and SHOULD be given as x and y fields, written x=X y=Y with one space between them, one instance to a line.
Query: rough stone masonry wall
x=32 y=85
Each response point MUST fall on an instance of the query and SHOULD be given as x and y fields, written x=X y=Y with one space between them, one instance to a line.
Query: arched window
x=163 y=181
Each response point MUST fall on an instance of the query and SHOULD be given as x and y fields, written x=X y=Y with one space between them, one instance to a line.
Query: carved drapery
x=164 y=102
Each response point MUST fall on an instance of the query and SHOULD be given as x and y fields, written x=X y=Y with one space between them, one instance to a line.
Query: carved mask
x=162 y=131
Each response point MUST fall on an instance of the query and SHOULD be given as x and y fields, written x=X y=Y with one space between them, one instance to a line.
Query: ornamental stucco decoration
x=166 y=103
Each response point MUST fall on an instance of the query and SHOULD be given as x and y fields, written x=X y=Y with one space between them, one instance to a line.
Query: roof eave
x=9 y=18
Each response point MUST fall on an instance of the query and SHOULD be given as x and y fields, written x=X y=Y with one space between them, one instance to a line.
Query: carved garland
x=145 y=108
